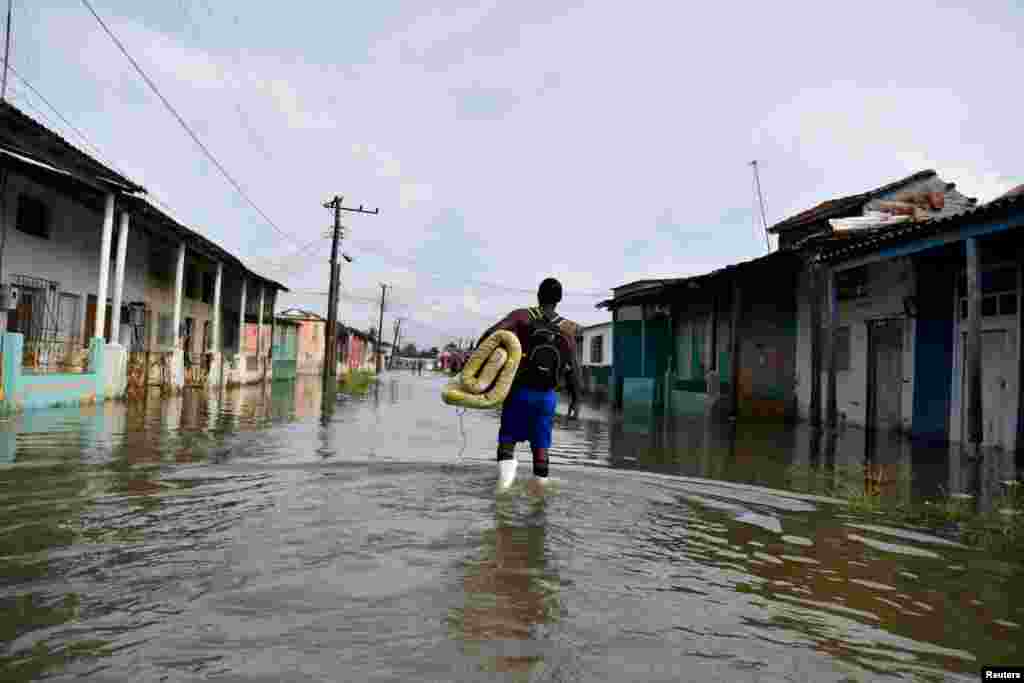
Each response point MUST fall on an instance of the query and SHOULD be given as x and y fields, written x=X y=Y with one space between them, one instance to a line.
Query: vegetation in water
x=877 y=490
x=357 y=381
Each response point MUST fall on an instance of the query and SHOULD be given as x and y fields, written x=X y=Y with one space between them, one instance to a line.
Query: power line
x=81 y=136
x=195 y=138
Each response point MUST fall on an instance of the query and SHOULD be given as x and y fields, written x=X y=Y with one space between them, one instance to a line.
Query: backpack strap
x=537 y=314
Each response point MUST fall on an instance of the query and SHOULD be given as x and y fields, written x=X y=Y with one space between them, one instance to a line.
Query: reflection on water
x=510 y=591
x=278 y=532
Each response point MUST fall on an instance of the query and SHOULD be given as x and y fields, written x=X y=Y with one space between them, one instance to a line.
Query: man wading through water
x=548 y=353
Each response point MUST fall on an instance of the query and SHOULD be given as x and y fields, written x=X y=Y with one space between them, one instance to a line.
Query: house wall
x=311 y=347
x=604 y=331
x=596 y=374
x=768 y=344
x=934 y=343
x=888 y=282
x=285 y=350
x=23 y=391
x=71 y=255
x=999 y=366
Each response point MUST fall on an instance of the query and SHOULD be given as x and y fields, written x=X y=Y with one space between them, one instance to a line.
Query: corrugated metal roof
x=833 y=249
x=842 y=206
x=673 y=283
x=144 y=209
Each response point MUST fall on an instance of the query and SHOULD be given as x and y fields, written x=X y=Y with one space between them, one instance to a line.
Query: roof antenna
x=7 y=50
x=764 y=221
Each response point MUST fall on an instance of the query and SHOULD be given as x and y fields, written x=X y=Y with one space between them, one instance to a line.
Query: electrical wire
x=188 y=129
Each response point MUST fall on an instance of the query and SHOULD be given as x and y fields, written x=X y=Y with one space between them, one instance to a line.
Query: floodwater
x=251 y=536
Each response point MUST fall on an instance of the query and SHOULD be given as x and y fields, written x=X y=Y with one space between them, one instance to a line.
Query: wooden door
x=885 y=375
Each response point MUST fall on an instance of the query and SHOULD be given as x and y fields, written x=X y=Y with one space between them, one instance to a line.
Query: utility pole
x=394 y=342
x=380 y=328
x=331 y=338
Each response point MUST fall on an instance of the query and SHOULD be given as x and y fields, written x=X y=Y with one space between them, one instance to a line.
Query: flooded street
x=246 y=536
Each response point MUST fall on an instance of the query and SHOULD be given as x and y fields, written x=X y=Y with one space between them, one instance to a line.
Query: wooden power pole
x=380 y=329
x=331 y=337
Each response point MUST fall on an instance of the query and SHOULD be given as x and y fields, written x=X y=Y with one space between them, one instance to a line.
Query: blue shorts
x=528 y=415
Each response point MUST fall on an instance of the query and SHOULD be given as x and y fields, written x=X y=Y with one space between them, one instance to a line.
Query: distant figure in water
x=549 y=354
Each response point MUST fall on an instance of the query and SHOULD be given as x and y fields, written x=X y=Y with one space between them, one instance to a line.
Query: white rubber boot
x=506 y=472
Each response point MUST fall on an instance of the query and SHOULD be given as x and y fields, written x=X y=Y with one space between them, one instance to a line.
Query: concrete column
x=643 y=340
x=179 y=285
x=831 y=408
x=241 y=320
x=259 y=322
x=815 y=373
x=122 y=250
x=973 y=364
x=216 y=308
x=734 y=348
x=101 y=290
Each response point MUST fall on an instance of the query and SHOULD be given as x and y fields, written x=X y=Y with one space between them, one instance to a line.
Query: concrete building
x=594 y=353
x=311 y=330
x=104 y=279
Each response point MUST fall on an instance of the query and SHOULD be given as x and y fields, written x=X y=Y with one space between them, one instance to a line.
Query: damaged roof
x=833 y=248
x=842 y=206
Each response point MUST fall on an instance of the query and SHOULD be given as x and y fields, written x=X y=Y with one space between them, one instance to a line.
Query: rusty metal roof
x=842 y=206
x=831 y=249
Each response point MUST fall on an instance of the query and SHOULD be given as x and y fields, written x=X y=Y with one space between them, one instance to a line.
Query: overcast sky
x=598 y=142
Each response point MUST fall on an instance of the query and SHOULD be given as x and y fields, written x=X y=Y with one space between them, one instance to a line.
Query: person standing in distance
x=549 y=355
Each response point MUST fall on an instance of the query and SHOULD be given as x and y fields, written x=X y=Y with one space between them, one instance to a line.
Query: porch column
x=273 y=326
x=831 y=416
x=973 y=365
x=815 y=374
x=101 y=289
x=216 y=308
x=241 y=318
x=735 y=346
x=115 y=309
x=259 y=323
x=179 y=286
x=643 y=340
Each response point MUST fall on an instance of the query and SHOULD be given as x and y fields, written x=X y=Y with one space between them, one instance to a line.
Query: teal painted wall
x=28 y=392
x=284 y=369
x=627 y=349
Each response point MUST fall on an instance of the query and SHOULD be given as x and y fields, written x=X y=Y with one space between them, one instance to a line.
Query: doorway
x=885 y=375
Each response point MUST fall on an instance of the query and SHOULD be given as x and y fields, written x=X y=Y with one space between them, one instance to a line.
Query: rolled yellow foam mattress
x=487 y=376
